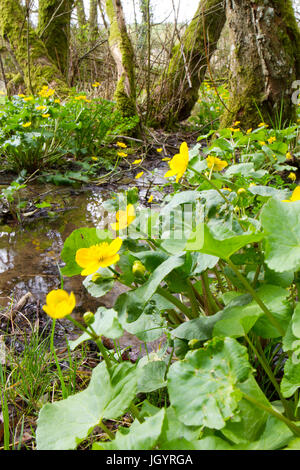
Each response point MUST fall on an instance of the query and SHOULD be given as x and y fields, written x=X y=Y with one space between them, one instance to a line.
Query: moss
x=54 y=30
x=262 y=88
x=42 y=70
x=125 y=94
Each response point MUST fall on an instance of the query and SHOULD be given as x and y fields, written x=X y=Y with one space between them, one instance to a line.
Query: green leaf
x=291 y=379
x=268 y=191
x=103 y=284
x=106 y=324
x=132 y=304
x=200 y=328
x=204 y=241
x=203 y=387
x=152 y=377
x=64 y=424
x=242 y=313
x=281 y=222
x=80 y=238
x=142 y=436
x=296 y=321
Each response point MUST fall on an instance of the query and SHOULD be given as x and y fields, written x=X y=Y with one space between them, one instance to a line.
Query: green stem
x=293 y=427
x=212 y=185
x=250 y=289
x=135 y=412
x=192 y=297
x=106 y=430
x=94 y=337
x=213 y=307
x=185 y=310
x=262 y=359
x=60 y=374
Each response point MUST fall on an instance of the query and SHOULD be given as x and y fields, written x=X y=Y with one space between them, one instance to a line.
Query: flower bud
x=88 y=318
x=138 y=268
x=194 y=344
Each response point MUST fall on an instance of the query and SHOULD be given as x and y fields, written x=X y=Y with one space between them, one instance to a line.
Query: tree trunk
x=54 y=30
x=265 y=62
x=177 y=92
x=39 y=70
x=93 y=21
x=122 y=52
x=80 y=13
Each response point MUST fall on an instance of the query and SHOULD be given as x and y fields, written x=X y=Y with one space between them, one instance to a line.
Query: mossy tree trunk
x=54 y=30
x=80 y=13
x=39 y=70
x=123 y=55
x=265 y=61
x=93 y=21
x=177 y=90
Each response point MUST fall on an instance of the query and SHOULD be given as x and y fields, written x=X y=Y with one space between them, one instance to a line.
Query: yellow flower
x=122 y=154
x=136 y=162
x=262 y=143
x=124 y=218
x=292 y=176
x=159 y=150
x=295 y=196
x=122 y=145
x=241 y=191
x=179 y=163
x=28 y=98
x=232 y=129
x=227 y=189
x=45 y=115
x=249 y=131
x=271 y=140
x=2 y=93
x=80 y=98
x=41 y=108
x=139 y=175
x=57 y=101
x=21 y=95
x=46 y=92
x=27 y=124
x=262 y=124
x=166 y=159
x=216 y=163
x=95 y=84
x=59 y=303
x=94 y=158
x=236 y=123
x=251 y=185
x=150 y=199
x=289 y=156
x=98 y=256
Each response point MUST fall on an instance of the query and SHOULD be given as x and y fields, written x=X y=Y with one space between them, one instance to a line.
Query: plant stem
x=250 y=289
x=135 y=412
x=183 y=308
x=213 y=307
x=192 y=297
x=106 y=430
x=262 y=359
x=293 y=427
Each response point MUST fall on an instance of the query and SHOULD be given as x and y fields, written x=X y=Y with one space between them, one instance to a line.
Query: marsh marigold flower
x=139 y=175
x=27 y=124
x=292 y=176
x=179 y=163
x=136 y=162
x=59 y=303
x=216 y=163
x=124 y=218
x=98 y=256
x=122 y=145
